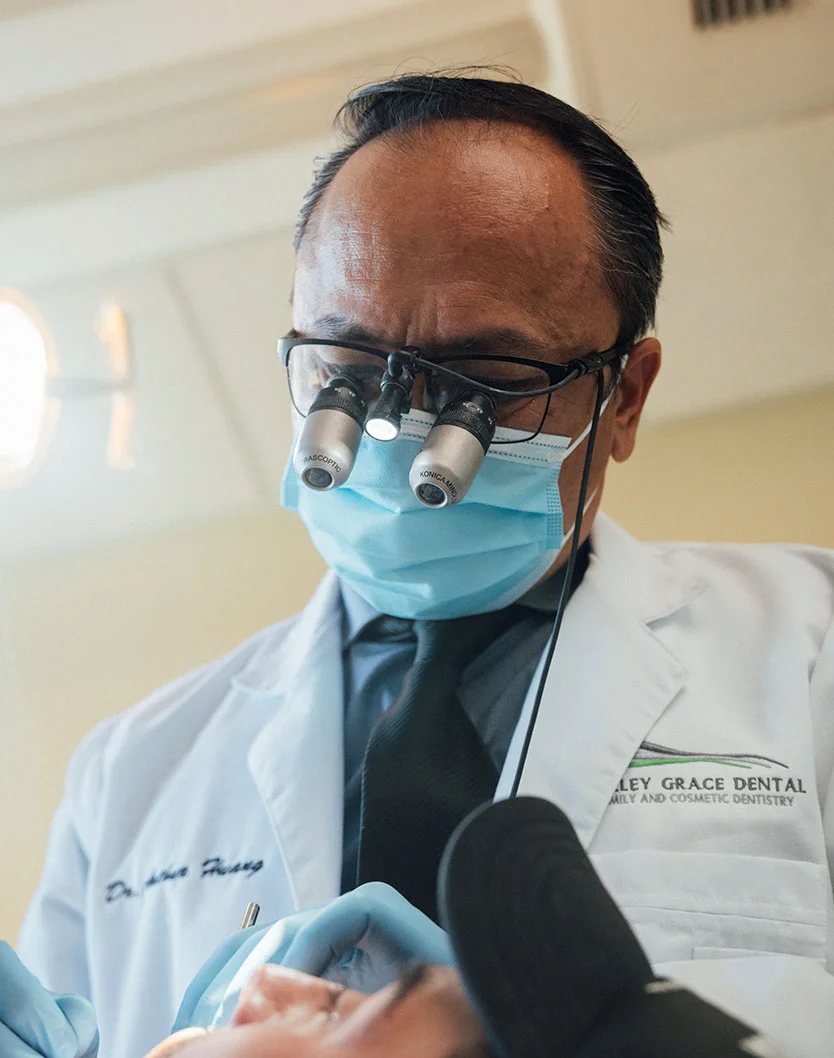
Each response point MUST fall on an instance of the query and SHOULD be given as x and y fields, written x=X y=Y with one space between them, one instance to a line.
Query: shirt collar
x=357 y=614
x=544 y=597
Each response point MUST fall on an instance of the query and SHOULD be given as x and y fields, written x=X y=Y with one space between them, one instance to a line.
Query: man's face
x=461 y=234
x=284 y=1014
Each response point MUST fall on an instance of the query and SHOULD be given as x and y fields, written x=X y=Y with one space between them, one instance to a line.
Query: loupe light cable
x=563 y=598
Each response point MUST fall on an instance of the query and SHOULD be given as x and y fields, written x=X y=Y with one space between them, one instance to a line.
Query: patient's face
x=284 y=1014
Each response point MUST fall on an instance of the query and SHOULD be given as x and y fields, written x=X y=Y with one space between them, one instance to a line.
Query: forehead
x=454 y=217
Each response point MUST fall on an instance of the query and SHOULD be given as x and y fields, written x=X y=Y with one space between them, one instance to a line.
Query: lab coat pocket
x=685 y=905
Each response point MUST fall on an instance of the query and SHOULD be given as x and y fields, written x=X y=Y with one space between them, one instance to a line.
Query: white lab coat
x=226 y=786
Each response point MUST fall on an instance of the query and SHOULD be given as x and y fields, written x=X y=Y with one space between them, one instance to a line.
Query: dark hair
x=623 y=207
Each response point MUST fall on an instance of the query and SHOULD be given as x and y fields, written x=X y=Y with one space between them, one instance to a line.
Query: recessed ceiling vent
x=708 y=13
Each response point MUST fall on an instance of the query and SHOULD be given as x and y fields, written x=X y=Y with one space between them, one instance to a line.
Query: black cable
x=560 y=609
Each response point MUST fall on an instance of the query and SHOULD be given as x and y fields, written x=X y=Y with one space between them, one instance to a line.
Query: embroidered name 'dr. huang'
x=218 y=867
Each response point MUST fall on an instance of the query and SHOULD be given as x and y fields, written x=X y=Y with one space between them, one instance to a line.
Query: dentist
x=477 y=272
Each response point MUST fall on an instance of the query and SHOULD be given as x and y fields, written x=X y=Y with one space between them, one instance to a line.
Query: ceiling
x=155 y=152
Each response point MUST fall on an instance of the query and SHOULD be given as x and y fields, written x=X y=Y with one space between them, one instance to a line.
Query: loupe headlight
x=445 y=467
x=383 y=421
x=329 y=440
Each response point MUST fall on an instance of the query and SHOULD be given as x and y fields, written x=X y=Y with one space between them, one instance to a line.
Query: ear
x=640 y=372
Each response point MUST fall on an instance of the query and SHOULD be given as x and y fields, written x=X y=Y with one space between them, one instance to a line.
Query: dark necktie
x=425 y=767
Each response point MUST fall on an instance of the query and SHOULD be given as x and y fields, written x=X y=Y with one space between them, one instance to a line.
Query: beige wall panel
x=758 y=473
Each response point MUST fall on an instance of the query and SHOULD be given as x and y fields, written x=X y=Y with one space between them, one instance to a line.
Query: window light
x=26 y=362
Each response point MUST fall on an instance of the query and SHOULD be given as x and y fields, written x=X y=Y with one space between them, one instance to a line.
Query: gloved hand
x=361 y=940
x=207 y=1002
x=36 y=1022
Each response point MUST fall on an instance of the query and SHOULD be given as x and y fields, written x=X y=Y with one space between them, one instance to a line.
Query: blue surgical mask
x=413 y=561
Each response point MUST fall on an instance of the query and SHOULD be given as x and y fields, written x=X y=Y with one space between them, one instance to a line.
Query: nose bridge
x=419 y=393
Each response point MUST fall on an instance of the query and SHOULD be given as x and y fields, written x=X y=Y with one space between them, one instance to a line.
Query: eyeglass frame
x=570 y=371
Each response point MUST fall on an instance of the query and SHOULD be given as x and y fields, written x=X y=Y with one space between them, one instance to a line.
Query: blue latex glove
x=207 y=1000
x=364 y=938
x=36 y=1022
x=361 y=940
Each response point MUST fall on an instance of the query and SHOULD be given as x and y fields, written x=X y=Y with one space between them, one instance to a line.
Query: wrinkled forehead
x=460 y=209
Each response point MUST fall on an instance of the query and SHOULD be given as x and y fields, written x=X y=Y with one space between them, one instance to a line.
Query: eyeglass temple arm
x=592 y=362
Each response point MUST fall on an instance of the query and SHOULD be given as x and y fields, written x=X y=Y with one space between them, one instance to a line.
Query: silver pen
x=250 y=915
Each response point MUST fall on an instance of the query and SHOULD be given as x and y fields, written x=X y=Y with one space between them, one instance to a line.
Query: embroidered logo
x=650 y=754
x=684 y=784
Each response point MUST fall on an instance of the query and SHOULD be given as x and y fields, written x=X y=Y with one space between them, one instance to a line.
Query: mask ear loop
x=560 y=609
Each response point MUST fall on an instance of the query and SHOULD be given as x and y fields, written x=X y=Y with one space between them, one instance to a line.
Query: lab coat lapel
x=610 y=680
x=297 y=760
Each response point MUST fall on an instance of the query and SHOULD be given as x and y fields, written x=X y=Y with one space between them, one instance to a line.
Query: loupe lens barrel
x=444 y=469
x=329 y=440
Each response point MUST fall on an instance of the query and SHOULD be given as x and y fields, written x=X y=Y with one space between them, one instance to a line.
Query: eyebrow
x=507 y=340
x=410 y=977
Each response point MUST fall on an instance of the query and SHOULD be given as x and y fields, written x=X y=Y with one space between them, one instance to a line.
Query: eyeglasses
x=520 y=388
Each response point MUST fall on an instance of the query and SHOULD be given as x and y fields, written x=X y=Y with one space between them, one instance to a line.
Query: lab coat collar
x=297 y=760
x=610 y=680
x=646 y=581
